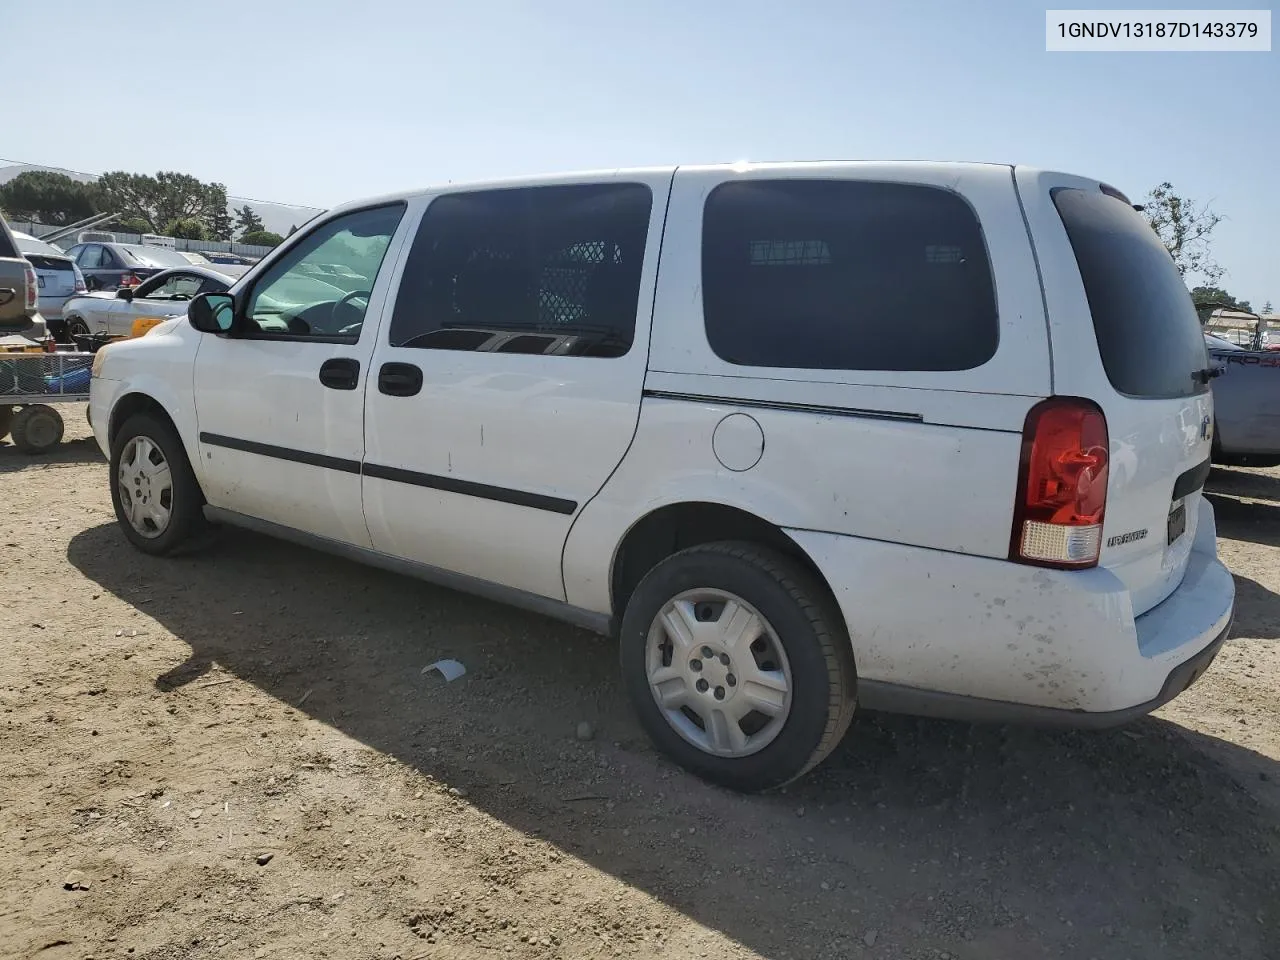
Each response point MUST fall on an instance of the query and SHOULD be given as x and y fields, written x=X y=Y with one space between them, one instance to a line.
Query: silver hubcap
x=718 y=672
x=146 y=487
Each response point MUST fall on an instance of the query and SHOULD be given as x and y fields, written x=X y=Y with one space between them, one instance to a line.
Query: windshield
x=153 y=256
x=28 y=244
x=1217 y=343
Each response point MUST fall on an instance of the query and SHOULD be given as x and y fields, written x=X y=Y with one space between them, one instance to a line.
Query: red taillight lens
x=80 y=287
x=33 y=288
x=129 y=280
x=1062 y=485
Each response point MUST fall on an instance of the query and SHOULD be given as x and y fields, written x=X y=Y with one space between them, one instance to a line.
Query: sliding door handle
x=399 y=379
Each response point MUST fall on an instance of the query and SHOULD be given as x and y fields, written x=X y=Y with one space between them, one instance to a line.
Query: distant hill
x=276 y=217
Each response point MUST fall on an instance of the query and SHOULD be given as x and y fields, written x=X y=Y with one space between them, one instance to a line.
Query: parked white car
x=58 y=277
x=164 y=295
x=659 y=403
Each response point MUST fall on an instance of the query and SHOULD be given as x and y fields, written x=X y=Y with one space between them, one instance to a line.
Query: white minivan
x=924 y=437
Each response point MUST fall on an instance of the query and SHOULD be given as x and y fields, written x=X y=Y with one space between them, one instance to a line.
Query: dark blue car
x=107 y=266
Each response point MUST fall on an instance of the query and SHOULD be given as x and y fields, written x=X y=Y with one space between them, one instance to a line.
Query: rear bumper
x=893 y=698
x=51 y=307
x=949 y=635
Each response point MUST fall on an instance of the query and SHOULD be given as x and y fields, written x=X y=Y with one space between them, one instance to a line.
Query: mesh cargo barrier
x=44 y=374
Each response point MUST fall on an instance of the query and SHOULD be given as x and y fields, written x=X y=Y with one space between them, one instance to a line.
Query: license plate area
x=39 y=283
x=1177 y=521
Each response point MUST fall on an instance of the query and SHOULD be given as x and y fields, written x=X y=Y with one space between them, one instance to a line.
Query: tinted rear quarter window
x=1148 y=334
x=846 y=275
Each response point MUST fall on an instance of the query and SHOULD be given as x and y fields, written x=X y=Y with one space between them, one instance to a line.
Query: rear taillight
x=33 y=287
x=130 y=280
x=1062 y=485
x=80 y=287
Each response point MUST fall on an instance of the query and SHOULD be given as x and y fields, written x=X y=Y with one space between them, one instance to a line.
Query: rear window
x=49 y=263
x=1217 y=343
x=846 y=275
x=1148 y=333
x=154 y=256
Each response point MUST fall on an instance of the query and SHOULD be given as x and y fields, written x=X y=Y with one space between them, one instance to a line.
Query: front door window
x=319 y=290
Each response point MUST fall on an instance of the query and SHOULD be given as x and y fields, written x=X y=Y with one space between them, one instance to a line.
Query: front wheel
x=738 y=664
x=156 y=496
x=76 y=327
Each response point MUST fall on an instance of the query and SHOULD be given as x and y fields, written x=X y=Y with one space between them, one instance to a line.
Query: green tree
x=221 y=225
x=248 y=221
x=1267 y=308
x=161 y=199
x=1185 y=229
x=262 y=238
x=188 y=229
x=1210 y=298
x=47 y=197
x=130 y=225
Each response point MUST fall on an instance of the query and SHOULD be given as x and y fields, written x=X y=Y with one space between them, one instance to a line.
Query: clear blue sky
x=324 y=101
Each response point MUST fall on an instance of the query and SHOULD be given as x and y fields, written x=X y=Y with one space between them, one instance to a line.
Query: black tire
x=813 y=636
x=36 y=428
x=186 y=504
x=6 y=418
x=76 y=326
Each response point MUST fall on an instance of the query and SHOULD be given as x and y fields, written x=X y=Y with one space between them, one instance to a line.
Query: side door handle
x=399 y=379
x=340 y=373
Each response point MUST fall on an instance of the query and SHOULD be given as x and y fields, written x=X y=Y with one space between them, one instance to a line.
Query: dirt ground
x=236 y=754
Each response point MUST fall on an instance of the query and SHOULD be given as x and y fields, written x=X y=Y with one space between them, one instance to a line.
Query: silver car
x=164 y=295
x=58 y=277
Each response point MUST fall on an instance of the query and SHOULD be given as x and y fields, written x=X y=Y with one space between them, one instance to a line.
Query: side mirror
x=125 y=294
x=212 y=313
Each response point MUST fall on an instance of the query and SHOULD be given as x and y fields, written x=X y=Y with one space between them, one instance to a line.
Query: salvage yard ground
x=236 y=754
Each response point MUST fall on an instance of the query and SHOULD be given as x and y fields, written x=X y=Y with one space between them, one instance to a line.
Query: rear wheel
x=76 y=326
x=36 y=428
x=738 y=664
x=157 y=499
x=6 y=418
